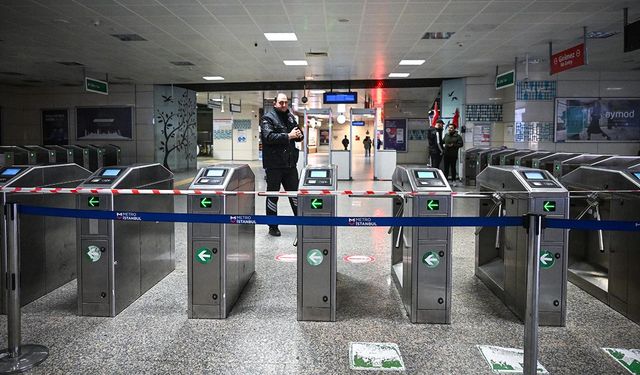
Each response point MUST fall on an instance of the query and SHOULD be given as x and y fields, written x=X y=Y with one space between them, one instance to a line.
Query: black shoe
x=275 y=232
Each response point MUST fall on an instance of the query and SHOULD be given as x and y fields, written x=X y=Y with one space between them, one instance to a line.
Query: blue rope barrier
x=611 y=225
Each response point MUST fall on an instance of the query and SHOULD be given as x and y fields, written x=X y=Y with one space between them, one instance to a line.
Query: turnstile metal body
x=6 y=158
x=21 y=156
x=510 y=159
x=62 y=155
x=560 y=168
x=527 y=160
x=317 y=258
x=547 y=162
x=111 y=154
x=119 y=260
x=493 y=158
x=221 y=257
x=501 y=255
x=619 y=162
x=80 y=155
x=95 y=155
x=42 y=154
x=604 y=263
x=421 y=261
x=472 y=164
x=47 y=244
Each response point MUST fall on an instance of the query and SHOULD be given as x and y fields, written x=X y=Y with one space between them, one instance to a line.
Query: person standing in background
x=452 y=142
x=367 y=146
x=345 y=143
x=436 y=150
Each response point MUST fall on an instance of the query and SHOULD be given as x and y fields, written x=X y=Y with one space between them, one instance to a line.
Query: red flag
x=436 y=114
x=456 y=119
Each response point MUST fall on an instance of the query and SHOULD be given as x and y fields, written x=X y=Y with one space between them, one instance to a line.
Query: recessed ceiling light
x=412 y=62
x=398 y=75
x=295 y=62
x=213 y=78
x=308 y=78
x=495 y=98
x=281 y=37
x=316 y=91
x=614 y=88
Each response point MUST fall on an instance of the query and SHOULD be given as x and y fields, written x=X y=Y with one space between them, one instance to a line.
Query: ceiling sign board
x=568 y=59
x=350 y=97
x=97 y=86
x=505 y=79
x=357 y=123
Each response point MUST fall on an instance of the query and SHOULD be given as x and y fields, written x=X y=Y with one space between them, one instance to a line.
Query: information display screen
x=350 y=97
x=534 y=175
x=10 y=172
x=319 y=174
x=215 y=172
x=426 y=174
x=111 y=172
x=637 y=174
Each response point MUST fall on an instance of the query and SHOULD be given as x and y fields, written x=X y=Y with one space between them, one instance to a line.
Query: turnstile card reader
x=221 y=257
x=47 y=243
x=317 y=258
x=21 y=156
x=111 y=154
x=421 y=260
x=501 y=253
x=42 y=154
x=119 y=260
x=6 y=158
x=80 y=155
x=61 y=154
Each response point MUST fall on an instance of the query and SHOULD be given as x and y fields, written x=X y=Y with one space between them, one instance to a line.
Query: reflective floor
x=262 y=336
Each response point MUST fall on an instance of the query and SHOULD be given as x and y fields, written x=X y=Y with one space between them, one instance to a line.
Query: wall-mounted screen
x=426 y=174
x=357 y=123
x=10 y=172
x=597 y=120
x=534 y=175
x=319 y=173
x=215 y=173
x=111 y=172
x=104 y=123
x=350 y=97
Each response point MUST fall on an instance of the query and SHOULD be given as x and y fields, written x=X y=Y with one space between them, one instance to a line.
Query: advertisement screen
x=597 y=120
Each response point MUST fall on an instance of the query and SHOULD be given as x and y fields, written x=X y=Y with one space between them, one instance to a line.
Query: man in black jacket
x=434 y=135
x=279 y=132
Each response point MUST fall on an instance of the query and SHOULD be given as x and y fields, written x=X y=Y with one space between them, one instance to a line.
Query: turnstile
x=95 y=155
x=501 y=254
x=6 y=158
x=510 y=159
x=472 y=164
x=111 y=154
x=421 y=258
x=62 y=155
x=42 y=155
x=119 y=260
x=547 y=162
x=527 y=160
x=493 y=157
x=560 y=168
x=221 y=258
x=604 y=263
x=21 y=156
x=47 y=244
x=80 y=155
x=619 y=162
x=317 y=259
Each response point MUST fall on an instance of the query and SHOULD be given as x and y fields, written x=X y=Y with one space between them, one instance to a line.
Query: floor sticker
x=359 y=259
x=506 y=360
x=287 y=258
x=628 y=358
x=375 y=356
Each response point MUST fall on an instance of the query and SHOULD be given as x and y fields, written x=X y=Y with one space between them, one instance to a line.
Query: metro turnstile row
x=221 y=257
x=91 y=157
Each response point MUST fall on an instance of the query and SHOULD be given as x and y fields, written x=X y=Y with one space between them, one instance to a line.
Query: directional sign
x=431 y=259
x=317 y=203
x=433 y=205
x=286 y=258
x=549 y=206
x=93 y=253
x=505 y=79
x=205 y=202
x=314 y=257
x=357 y=259
x=97 y=86
x=204 y=255
x=93 y=201
x=546 y=259
x=569 y=58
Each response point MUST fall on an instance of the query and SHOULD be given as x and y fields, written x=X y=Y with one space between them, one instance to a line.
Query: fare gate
x=80 y=155
x=527 y=160
x=62 y=155
x=119 y=260
x=21 y=156
x=317 y=259
x=475 y=160
x=47 y=244
x=546 y=162
x=560 y=168
x=42 y=154
x=501 y=254
x=421 y=261
x=221 y=258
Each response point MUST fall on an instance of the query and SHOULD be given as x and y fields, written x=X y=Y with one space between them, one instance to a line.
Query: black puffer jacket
x=278 y=151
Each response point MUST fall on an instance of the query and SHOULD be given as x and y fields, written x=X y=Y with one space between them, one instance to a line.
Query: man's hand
x=295 y=133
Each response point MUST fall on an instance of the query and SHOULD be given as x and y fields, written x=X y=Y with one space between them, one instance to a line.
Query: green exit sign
x=93 y=201
x=505 y=79
x=433 y=205
x=97 y=86
x=549 y=206
x=205 y=202
x=317 y=204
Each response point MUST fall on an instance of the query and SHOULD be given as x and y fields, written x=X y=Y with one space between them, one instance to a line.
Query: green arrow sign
x=505 y=79
x=204 y=255
x=314 y=257
x=93 y=202
x=317 y=203
x=93 y=253
x=433 y=204
x=549 y=206
x=431 y=259
x=547 y=259
x=205 y=202
x=97 y=86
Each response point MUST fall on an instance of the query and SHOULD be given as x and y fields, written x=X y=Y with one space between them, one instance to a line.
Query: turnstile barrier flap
x=59 y=175
x=591 y=178
x=137 y=176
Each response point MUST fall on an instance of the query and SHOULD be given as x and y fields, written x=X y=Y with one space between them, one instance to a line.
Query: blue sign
x=357 y=123
x=340 y=97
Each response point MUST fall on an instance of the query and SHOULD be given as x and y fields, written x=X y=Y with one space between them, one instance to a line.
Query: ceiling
x=225 y=38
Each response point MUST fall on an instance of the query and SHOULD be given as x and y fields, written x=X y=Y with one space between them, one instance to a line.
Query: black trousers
x=288 y=178
x=435 y=160
x=450 y=164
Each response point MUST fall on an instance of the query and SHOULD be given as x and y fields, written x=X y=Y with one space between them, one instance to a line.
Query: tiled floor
x=262 y=336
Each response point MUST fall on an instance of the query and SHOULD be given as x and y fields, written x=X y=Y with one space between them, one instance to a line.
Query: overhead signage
x=632 y=36
x=357 y=123
x=350 y=97
x=97 y=86
x=505 y=79
x=568 y=59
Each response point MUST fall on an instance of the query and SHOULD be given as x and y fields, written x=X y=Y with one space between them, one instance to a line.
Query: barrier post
x=17 y=357
x=533 y=287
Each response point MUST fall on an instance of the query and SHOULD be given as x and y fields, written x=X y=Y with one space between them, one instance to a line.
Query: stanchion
x=533 y=287
x=17 y=357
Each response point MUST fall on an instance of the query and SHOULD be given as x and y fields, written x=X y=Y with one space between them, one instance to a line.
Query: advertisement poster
x=395 y=131
x=324 y=137
x=597 y=120
x=104 y=123
x=482 y=134
x=55 y=127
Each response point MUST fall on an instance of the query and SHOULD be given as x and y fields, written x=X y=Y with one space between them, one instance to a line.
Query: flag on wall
x=436 y=114
x=456 y=119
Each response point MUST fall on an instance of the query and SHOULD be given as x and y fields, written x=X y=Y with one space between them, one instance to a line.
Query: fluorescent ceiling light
x=295 y=62
x=316 y=91
x=495 y=98
x=412 y=62
x=614 y=88
x=213 y=78
x=281 y=37
x=398 y=75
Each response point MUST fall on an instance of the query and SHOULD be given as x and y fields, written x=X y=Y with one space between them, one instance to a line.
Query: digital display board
x=11 y=171
x=111 y=172
x=357 y=123
x=340 y=97
x=215 y=172
x=426 y=174
x=318 y=174
x=534 y=175
x=637 y=174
